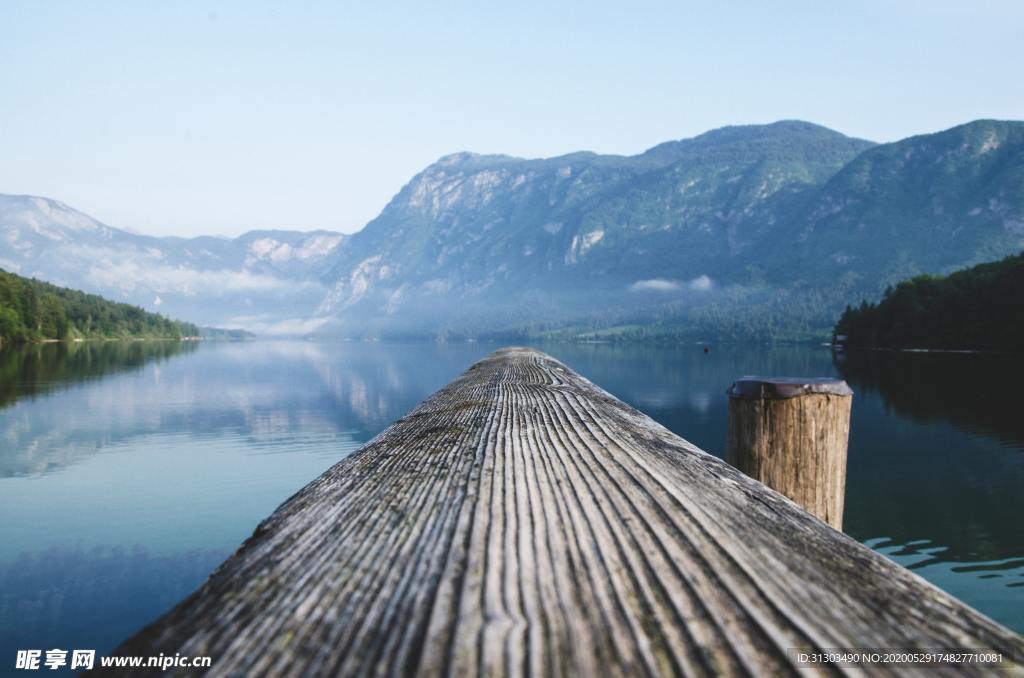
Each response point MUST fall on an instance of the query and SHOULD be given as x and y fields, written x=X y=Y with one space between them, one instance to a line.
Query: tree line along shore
x=979 y=308
x=36 y=311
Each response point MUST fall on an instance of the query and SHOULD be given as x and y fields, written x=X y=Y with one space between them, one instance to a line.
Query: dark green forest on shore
x=980 y=308
x=31 y=310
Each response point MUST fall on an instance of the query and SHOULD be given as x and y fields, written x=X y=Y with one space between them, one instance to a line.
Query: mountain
x=31 y=310
x=750 y=232
x=262 y=280
x=930 y=203
x=976 y=308
x=743 y=232
x=537 y=242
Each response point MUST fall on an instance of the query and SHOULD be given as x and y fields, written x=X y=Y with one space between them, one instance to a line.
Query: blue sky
x=215 y=118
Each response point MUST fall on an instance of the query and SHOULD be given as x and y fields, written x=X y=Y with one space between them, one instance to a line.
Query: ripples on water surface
x=129 y=471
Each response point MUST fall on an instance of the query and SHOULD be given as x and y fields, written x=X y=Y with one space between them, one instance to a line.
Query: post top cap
x=758 y=388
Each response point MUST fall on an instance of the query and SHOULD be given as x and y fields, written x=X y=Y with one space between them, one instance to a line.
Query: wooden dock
x=522 y=521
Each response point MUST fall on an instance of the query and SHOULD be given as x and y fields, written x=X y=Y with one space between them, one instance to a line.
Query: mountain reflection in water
x=127 y=471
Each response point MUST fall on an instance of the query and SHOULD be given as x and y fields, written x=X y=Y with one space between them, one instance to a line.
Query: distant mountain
x=263 y=280
x=753 y=232
x=743 y=232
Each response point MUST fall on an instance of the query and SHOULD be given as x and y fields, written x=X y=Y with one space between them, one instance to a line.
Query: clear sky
x=193 y=118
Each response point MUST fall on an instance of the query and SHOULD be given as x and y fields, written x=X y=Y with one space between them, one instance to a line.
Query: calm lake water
x=129 y=471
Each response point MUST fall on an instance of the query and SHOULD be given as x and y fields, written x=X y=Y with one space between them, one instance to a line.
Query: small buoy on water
x=707 y=349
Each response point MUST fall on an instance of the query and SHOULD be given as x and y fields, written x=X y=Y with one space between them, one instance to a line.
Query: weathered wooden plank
x=523 y=521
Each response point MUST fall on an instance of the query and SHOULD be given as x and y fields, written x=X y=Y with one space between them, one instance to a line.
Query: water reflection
x=34 y=369
x=72 y=598
x=168 y=461
x=975 y=392
x=948 y=468
x=264 y=392
x=167 y=465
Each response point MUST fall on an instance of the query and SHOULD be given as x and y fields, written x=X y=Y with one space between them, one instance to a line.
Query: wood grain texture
x=522 y=521
x=796 y=446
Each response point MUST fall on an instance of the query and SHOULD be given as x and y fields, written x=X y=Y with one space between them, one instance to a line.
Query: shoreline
x=964 y=351
x=79 y=340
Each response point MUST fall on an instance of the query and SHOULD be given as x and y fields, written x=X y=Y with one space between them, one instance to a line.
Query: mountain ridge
x=741 y=207
x=751 y=231
x=215 y=280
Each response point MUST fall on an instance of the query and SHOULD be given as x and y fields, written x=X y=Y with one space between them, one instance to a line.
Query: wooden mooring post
x=791 y=434
x=521 y=521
